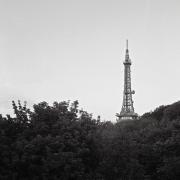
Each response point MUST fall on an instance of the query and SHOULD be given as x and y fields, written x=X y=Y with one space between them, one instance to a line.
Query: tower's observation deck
x=127 y=111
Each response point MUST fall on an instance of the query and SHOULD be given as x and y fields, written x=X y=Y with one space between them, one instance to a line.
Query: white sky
x=55 y=50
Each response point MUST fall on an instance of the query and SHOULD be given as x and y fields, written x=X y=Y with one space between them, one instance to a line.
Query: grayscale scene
x=89 y=90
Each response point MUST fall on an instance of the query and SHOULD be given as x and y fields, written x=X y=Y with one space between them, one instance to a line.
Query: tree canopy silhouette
x=63 y=142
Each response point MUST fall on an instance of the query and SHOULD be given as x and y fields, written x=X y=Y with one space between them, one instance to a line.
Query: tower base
x=127 y=116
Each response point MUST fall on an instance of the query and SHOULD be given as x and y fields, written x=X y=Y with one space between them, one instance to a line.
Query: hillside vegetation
x=61 y=142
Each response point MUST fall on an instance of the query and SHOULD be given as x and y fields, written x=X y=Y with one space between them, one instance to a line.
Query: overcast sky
x=55 y=50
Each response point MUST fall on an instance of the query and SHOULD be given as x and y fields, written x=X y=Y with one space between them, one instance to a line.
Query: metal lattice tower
x=127 y=111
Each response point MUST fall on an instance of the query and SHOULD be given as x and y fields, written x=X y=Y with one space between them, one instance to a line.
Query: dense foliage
x=61 y=142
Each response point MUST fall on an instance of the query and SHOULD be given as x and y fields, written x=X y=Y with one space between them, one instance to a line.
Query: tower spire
x=127 y=52
x=127 y=111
